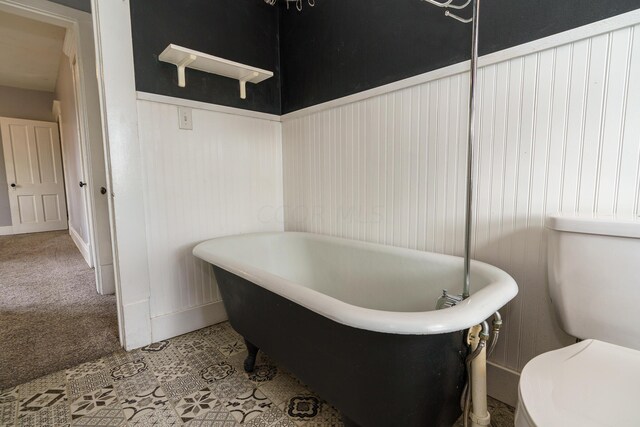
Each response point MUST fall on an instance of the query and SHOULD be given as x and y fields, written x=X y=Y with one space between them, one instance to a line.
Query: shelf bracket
x=181 y=67
x=243 y=84
x=243 y=89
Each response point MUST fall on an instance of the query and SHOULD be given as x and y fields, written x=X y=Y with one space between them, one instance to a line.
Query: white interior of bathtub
x=363 y=285
x=369 y=276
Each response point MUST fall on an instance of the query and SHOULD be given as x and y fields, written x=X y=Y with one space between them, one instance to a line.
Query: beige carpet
x=51 y=316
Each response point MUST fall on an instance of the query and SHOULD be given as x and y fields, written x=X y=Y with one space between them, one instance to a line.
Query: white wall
x=559 y=131
x=72 y=153
x=223 y=177
x=21 y=104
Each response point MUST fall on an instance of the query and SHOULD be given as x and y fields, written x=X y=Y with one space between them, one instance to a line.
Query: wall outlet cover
x=184 y=117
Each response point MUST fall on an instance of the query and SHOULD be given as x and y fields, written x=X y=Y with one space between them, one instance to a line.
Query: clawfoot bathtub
x=356 y=321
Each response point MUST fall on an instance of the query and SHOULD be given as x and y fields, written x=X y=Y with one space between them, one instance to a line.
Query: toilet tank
x=594 y=276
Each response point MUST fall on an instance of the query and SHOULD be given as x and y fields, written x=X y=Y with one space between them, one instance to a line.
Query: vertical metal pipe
x=472 y=119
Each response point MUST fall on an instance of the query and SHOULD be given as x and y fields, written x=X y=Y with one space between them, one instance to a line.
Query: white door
x=34 y=174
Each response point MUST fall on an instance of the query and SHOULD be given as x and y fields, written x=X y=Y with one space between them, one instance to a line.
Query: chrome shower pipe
x=470 y=143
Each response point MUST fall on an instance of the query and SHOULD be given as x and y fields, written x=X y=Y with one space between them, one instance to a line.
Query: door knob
x=82 y=184
x=13 y=185
x=103 y=190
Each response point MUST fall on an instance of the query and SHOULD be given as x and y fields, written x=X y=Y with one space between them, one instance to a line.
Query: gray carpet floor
x=51 y=316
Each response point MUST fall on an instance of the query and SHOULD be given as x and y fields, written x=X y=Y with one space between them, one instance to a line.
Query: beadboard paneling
x=223 y=177
x=559 y=131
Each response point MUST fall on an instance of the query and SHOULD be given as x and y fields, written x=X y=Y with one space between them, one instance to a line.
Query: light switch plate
x=184 y=116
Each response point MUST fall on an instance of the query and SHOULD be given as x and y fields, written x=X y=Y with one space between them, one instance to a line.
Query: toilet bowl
x=591 y=383
x=594 y=285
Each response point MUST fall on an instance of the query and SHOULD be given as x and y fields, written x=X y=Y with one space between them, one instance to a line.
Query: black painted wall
x=340 y=47
x=84 y=5
x=337 y=48
x=244 y=31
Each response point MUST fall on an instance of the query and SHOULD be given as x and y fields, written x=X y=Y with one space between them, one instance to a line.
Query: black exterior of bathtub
x=374 y=379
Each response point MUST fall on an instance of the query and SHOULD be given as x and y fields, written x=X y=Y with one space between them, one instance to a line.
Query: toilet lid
x=591 y=383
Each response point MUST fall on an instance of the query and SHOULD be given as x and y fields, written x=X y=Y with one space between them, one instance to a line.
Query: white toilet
x=594 y=282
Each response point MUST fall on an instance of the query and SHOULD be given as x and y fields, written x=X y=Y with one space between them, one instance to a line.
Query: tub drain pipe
x=495 y=331
x=475 y=393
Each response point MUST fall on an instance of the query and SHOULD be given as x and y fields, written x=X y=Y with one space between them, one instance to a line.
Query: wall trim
x=181 y=322
x=6 y=230
x=83 y=247
x=586 y=31
x=137 y=324
x=108 y=280
x=70 y=45
x=123 y=161
x=163 y=99
x=502 y=383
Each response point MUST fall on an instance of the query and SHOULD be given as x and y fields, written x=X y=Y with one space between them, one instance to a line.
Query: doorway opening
x=57 y=302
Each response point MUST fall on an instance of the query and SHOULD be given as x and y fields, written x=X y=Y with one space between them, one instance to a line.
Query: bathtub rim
x=475 y=309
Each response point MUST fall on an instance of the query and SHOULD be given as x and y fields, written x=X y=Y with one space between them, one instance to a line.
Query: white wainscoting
x=559 y=131
x=223 y=177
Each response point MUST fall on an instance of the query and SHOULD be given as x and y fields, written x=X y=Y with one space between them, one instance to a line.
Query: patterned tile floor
x=195 y=379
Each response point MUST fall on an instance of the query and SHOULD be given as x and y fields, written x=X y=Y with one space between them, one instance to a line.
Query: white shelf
x=184 y=58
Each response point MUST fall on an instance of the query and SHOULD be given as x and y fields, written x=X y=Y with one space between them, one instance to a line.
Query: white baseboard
x=82 y=246
x=502 y=383
x=191 y=319
x=136 y=324
x=107 y=280
x=6 y=230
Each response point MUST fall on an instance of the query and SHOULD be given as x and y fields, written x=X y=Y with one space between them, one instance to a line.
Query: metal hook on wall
x=461 y=6
x=457 y=18
x=298 y=3
x=439 y=4
x=450 y=5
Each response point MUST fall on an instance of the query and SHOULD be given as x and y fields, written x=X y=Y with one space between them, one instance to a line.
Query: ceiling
x=30 y=53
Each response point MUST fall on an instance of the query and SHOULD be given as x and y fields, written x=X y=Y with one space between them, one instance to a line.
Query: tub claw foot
x=250 y=361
